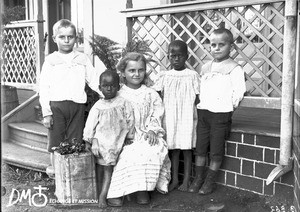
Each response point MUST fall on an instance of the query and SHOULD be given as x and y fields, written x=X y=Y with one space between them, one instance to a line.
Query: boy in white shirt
x=222 y=87
x=62 y=88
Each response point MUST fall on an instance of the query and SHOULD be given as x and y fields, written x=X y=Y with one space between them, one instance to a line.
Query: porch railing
x=22 y=54
x=257 y=25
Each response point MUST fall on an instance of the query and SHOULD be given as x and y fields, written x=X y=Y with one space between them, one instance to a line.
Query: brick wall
x=249 y=159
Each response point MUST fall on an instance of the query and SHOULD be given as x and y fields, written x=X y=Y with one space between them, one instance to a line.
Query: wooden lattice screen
x=20 y=55
x=257 y=27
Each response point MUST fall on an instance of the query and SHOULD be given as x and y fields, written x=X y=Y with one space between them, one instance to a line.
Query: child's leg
x=200 y=162
x=75 y=121
x=220 y=124
x=187 y=157
x=174 y=168
x=105 y=186
x=203 y=137
x=99 y=177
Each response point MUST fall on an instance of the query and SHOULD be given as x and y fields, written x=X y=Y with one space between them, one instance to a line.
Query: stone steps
x=27 y=146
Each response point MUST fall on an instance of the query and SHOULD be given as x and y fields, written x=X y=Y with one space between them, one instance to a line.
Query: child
x=144 y=164
x=62 y=81
x=179 y=88
x=222 y=88
x=107 y=125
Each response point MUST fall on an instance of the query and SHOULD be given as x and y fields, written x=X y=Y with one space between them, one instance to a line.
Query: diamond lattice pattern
x=258 y=32
x=19 y=56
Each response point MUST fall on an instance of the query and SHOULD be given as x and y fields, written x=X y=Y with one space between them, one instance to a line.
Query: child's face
x=108 y=87
x=177 y=58
x=65 y=39
x=134 y=74
x=220 y=47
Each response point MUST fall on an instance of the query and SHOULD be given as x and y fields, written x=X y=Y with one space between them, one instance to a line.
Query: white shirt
x=222 y=86
x=63 y=77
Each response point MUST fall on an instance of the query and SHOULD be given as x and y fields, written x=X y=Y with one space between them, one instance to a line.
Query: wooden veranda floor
x=256 y=121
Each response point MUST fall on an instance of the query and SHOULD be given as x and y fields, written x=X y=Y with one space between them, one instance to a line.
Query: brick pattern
x=248 y=161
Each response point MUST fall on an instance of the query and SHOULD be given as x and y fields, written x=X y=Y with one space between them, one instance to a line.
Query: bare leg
x=187 y=155
x=99 y=177
x=105 y=186
x=174 y=168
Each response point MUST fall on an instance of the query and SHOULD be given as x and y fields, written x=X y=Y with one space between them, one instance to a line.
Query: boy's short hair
x=111 y=73
x=178 y=43
x=225 y=31
x=63 y=23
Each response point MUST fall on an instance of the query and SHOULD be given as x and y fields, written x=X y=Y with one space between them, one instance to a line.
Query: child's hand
x=88 y=146
x=128 y=141
x=48 y=121
x=151 y=137
x=95 y=147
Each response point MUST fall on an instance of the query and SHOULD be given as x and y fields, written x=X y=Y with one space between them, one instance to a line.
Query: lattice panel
x=258 y=32
x=19 y=56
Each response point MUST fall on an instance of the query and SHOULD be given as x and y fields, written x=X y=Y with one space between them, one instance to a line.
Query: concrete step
x=32 y=135
x=24 y=157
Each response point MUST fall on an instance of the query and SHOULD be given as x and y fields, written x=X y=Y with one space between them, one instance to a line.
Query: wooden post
x=88 y=27
x=288 y=81
x=39 y=37
x=129 y=22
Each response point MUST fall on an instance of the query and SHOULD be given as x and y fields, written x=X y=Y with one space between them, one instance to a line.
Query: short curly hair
x=132 y=56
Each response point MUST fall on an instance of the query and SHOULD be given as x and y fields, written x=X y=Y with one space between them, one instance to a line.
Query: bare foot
x=102 y=202
x=172 y=186
x=183 y=187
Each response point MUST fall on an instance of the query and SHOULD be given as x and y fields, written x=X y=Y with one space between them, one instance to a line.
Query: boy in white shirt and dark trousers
x=62 y=88
x=222 y=88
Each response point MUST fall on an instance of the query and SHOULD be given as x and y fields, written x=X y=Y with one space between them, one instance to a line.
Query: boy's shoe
x=208 y=185
x=198 y=181
x=115 y=202
x=142 y=197
x=50 y=172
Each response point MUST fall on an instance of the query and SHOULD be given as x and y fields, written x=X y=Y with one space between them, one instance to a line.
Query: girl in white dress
x=144 y=164
x=179 y=88
x=109 y=123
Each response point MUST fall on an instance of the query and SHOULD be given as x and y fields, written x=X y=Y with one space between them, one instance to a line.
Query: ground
x=16 y=180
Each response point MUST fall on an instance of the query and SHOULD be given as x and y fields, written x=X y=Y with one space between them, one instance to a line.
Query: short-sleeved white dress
x=109 y=121
x=179 y=90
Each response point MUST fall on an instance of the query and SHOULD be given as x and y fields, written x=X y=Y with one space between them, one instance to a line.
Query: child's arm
x=92 y=77
x=130 y=121
x=154 y=128
x=90 y=129
x=237 y=78
x=44 y=90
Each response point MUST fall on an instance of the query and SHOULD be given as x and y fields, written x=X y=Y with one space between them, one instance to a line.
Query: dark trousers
x=212 y=131
x=68 y=122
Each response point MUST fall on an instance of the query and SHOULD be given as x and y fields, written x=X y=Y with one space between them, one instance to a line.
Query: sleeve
x=196 y=83
x=237 y=78
x=44 y=89
x=91 y=124
x=92 y=77
x=159 y=81
x=130 y=119
x=156 y=114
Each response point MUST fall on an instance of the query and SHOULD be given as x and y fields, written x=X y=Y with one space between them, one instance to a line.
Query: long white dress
x=142 y=167
x=179 y=89
x=109 y=121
